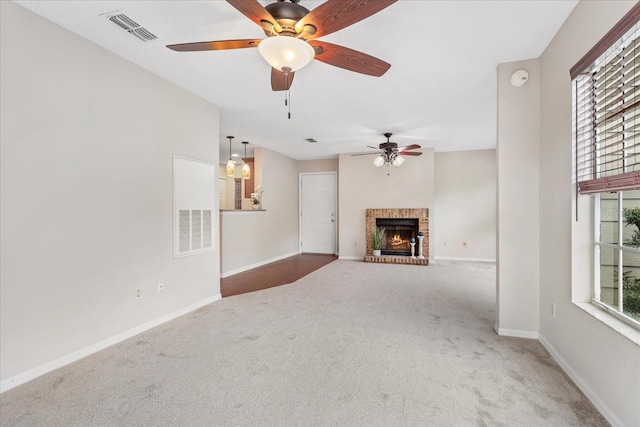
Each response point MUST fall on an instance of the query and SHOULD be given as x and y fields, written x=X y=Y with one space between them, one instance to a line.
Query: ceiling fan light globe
x=286 y=52
x=231 y=168
x=398 y=161
x=378 y=161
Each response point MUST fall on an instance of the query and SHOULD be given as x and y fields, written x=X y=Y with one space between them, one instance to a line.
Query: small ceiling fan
x=298 y=28
x=390 y=154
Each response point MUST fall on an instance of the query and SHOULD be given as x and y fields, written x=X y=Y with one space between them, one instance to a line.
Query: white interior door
x=318 y=216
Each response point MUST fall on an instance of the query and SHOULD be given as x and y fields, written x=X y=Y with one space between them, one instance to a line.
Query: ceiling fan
x=390 y=154
x=298 y=28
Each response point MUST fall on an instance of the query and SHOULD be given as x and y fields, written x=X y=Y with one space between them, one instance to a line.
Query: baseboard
x=31 y=374
x=582 y=385
x=450 y=258
x=351 y=258
x=256 y=265
x=517 y=333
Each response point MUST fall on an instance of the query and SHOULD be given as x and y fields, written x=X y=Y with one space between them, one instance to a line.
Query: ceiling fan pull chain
x=287 y=93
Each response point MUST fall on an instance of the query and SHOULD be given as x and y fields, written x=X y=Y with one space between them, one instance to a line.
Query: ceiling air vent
x=131 y=26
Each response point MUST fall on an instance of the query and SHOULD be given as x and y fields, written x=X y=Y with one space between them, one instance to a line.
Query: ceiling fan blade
x=409 y=153
x=375 y=148
x=349 y=59
x=365 y=154
x=409 y=147
x=214 y=45
x=280 y=81
x=334 y=15
x=256 y=12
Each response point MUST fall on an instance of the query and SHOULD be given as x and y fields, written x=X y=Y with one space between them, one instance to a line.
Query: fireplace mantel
x=422 y=214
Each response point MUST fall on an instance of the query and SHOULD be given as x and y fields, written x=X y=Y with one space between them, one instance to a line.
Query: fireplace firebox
x=398 y=234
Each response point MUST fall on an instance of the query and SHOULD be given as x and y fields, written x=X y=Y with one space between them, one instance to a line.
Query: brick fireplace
x=419 y=216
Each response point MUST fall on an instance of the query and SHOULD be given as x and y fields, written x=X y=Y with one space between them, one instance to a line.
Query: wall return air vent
x=130 y=26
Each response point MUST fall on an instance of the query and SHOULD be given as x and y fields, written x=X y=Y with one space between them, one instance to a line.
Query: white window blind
x=607 y=116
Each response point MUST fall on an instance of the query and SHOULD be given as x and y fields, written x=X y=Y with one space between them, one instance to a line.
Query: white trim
x=517 y=333
x=609 y=415
x=449 y=258
x=31 y=374
x=351 y=258
x=257 y=264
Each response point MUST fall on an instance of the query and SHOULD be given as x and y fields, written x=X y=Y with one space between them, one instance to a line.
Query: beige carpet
x=352 y=344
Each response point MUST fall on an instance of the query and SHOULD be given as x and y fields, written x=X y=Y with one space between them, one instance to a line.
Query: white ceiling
x=440 y=91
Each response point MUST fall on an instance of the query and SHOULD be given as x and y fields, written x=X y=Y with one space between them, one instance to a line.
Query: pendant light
x=231 y=167
x=246 y=171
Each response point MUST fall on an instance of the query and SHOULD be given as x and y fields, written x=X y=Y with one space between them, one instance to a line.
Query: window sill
x=622 y=328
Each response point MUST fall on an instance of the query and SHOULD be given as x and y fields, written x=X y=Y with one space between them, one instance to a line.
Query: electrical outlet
x=160 y=287
x=137 y=293
x=464 y=244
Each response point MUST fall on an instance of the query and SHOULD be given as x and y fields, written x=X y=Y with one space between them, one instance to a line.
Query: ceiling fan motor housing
x=287 y=15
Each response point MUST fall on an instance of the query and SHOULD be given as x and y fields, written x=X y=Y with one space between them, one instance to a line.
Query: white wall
x=465 y=205
x=602 y=362
x=362 y=186
x=518 y=237
x=325 y=165
x=250 y=239
x=87 y=143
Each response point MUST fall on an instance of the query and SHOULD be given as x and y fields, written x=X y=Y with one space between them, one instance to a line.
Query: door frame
x=335 y=207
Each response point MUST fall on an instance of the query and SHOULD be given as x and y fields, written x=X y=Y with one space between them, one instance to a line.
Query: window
x=606 y=86
x=617 y=253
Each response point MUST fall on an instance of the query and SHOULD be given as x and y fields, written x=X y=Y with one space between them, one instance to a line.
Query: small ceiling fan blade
x=349 y=59
x=281 y=81
x=256 y=12
x=365 y=154
x=371 y=146
x=334 y=15
x=409 y=153
x=214 y=45
x=409 y=147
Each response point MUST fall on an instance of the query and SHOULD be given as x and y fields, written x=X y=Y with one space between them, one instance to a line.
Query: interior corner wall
x=604 y=364
x=465 y=186
x=362 y=186
x=250 y=239
x=86 y=210
x=518 y=207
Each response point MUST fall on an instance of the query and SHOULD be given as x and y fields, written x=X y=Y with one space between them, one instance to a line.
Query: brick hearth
x=422 y=214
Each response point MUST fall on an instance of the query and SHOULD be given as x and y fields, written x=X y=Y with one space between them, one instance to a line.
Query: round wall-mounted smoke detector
x=519 y=78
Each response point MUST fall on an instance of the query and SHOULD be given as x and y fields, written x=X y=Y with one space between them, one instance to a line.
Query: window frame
x=618 y=312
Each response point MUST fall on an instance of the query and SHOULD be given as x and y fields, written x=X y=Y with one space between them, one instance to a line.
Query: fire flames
x=396 y=240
